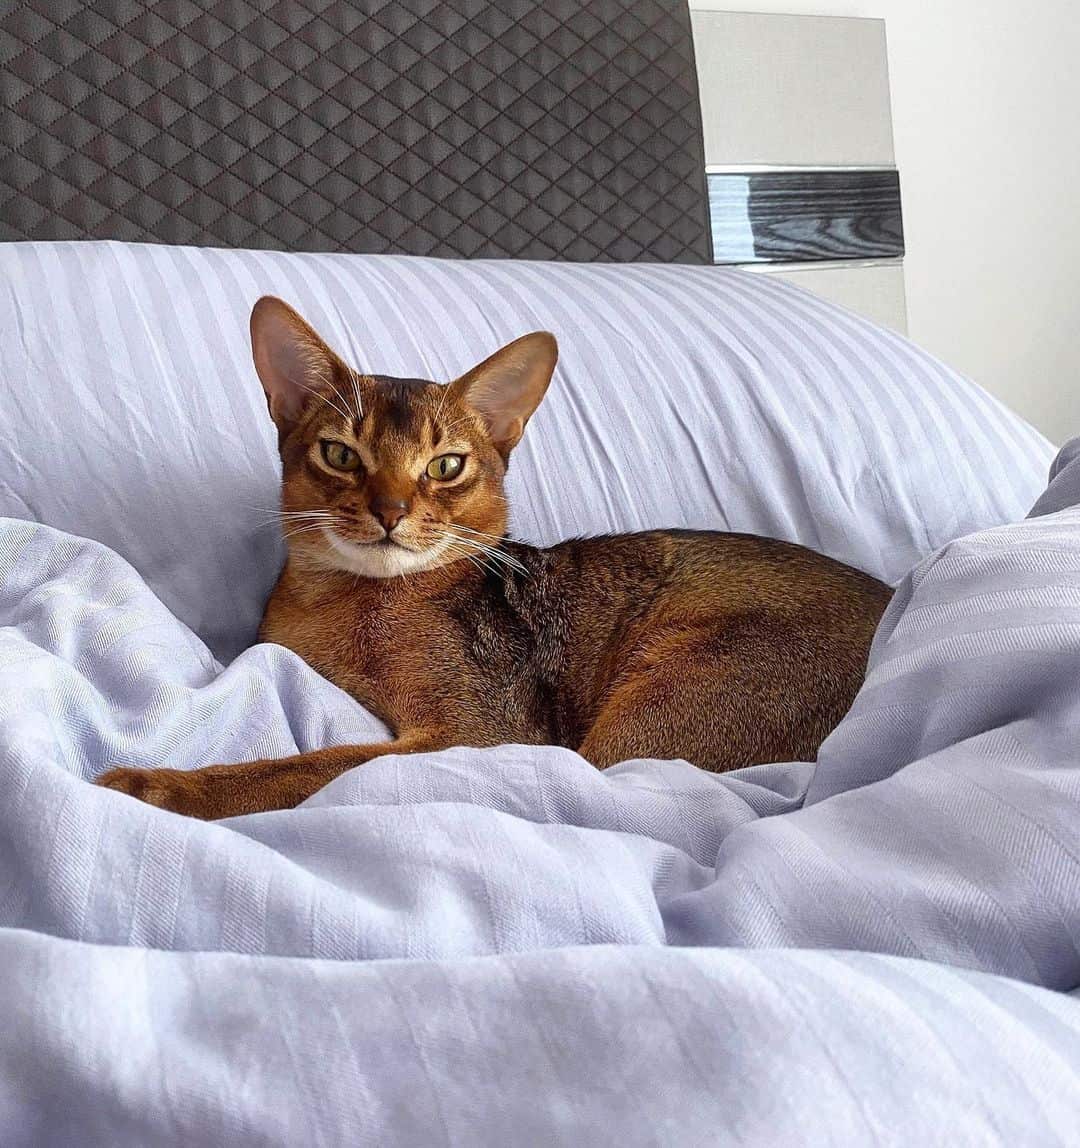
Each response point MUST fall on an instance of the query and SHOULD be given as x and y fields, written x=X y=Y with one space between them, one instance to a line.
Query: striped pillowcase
x=685 y=396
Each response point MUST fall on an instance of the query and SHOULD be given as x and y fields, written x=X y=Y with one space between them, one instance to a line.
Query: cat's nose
x=389 y=511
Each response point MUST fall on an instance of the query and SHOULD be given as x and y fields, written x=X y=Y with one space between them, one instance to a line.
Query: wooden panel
x=802 y=91
x=808 y=95
x=805 y=216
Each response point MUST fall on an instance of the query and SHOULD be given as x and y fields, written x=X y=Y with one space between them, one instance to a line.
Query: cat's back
x=609 y=604
x=700 y=569
x=723 y=649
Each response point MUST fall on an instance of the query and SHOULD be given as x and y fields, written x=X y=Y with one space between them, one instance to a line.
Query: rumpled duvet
x=505 y=946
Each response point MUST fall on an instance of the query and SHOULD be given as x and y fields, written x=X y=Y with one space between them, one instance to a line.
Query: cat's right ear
x=293 y=363
x=506 y=388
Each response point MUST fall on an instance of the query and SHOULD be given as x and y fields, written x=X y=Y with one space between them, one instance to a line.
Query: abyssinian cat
x=402 y=587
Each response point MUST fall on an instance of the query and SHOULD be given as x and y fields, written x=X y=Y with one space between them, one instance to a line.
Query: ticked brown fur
x=723 y=649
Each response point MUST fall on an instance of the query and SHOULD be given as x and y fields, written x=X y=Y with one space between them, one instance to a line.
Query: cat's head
x=385 y=476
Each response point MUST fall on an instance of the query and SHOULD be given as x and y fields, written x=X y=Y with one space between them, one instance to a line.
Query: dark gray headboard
x=547 y=129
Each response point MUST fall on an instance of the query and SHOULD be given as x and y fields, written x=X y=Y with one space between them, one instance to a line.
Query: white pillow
x=684 y=396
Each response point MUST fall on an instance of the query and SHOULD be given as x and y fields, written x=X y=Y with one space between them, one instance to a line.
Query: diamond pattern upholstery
x=545 y=129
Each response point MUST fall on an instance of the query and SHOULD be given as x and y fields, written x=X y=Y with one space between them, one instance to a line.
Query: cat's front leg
x=218 y=791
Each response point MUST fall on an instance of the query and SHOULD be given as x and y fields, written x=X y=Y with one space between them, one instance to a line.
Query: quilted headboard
x=545 y=129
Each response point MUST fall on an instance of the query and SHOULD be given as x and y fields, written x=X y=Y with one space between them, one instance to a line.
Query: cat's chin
x=381 y=559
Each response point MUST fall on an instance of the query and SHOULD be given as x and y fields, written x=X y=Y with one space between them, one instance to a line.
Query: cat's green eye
x=340 y=456
x=445 y=467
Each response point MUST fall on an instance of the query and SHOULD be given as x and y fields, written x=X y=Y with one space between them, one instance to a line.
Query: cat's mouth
x=387 y=542
x=385 y=557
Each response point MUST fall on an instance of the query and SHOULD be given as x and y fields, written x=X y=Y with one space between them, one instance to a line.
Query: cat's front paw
x=173 y=789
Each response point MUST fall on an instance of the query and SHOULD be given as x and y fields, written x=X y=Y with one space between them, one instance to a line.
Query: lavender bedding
x=506 y=946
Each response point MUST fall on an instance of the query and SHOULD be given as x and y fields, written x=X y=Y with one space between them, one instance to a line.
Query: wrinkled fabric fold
x=602 y=1045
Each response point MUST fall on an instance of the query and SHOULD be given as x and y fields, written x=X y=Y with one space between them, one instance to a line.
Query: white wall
x=986 y=117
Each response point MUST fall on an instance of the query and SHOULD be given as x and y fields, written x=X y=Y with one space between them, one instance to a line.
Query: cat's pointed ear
x=507 y=388
x=293 y=363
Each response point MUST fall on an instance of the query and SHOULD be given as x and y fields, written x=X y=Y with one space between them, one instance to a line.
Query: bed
x=504 y=945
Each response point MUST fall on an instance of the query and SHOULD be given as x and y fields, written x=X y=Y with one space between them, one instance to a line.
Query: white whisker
x=296 y=517
x=333 y=406
x=499 y=559
x=495 y=552
x=456 y=545
x=473 y=559
x=282 y=520
x=478 y=533
x=340 y=396
x=442 y=401
x=356 y=392
x=302 y=530
x=450 y=426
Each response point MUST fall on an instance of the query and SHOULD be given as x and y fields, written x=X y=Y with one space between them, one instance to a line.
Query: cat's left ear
x=292 y=361
x=506 y=388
